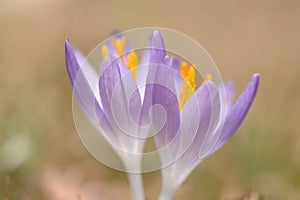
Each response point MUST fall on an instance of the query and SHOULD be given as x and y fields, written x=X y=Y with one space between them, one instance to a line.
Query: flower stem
x=136 y=185
x=167 y=192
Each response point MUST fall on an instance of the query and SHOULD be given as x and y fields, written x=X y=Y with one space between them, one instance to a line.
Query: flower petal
x=199 y=117
x=121 y=103
x=166 y=118
x=238 y=111
x=112 y=74
x=82 y=89
x=164 y=93
x=228 y=88
x=79 y=82
x=89 y=71
x=157 y=54
x=71 y=62
x=209 y=110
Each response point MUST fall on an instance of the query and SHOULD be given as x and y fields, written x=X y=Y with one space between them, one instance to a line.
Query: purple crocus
x=189 y=121
x=106 y=103
x=200 y=127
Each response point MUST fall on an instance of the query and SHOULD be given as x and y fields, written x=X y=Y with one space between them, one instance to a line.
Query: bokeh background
x=41 y=156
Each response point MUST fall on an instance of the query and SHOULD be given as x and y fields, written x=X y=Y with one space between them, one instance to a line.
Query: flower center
x=104 y=51
x=119 y=45
x=187 y=70
x=132 y=60
x=188 y=85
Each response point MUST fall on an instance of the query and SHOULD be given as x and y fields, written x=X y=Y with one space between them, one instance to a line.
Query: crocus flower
x=104 y=98
x=190 y=123
x=197 y=123
x=112 y=100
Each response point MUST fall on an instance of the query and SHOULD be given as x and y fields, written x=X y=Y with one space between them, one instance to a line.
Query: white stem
x=167 y=192
x=136 y=185
x=134 y=175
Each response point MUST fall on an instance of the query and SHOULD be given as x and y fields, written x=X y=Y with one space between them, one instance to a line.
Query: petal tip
x=156 y=33
x=67 y=41
x=256 y=75
x=68 y=47
x=255 y=80
x=157 y=39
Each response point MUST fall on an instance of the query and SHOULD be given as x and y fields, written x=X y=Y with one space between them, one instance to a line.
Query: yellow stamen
x=119 y=45
x=104 y=51
x=207 y=77
x=188 y=86
x=132 y=63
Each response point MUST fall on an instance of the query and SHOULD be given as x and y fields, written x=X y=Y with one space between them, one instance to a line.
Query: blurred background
x=41 y=156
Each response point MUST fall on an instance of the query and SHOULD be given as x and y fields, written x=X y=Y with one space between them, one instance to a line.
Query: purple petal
x=82 y=89
x=208 y=104
x=121 y=103
x=165 y=119
x=71 y=62
x=161 y=67
x=79 y=82
x=238 y=111
x=116 y=80
x=89 y=71
x=199 y=116
x=174 y=63
x=113 y=71
x=157 y=54
x=160 y=91
x=229 y=92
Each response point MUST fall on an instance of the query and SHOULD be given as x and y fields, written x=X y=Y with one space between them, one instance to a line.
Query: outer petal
x=157 y=54
x=228 y=89
x=89 y=71
x=113 y=72
x=165 y=119
x=80 y=83
x=161 y=67
x=71 y=62
x=238 y=111
x=209 y=106
x=120 y=99
x=157 y=57
x=164 y=93
x=83 y=91
x=202 y=108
